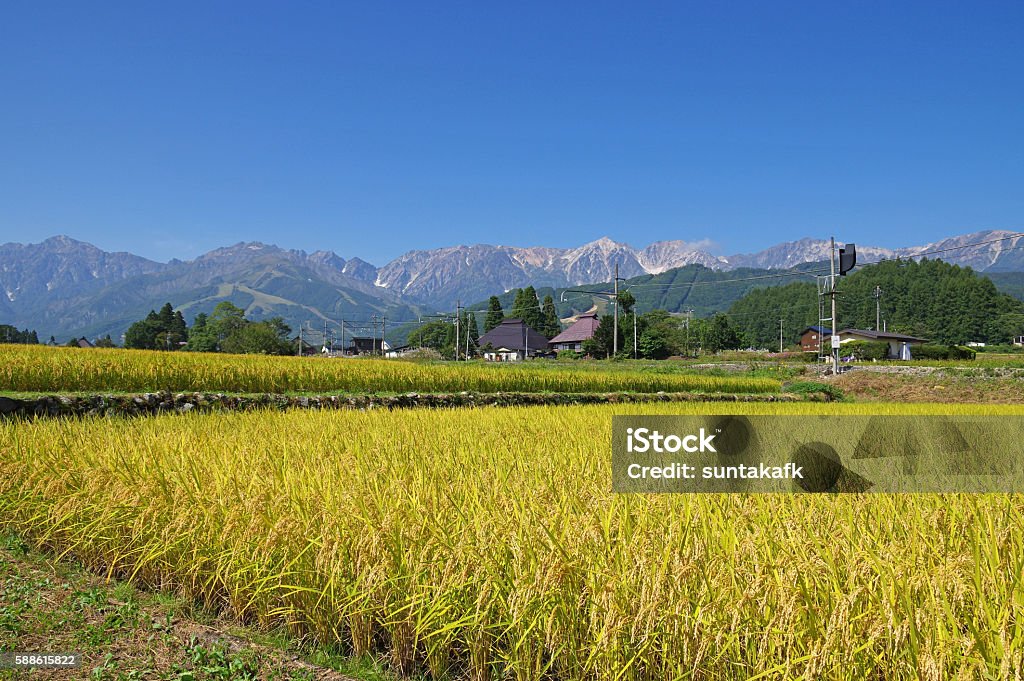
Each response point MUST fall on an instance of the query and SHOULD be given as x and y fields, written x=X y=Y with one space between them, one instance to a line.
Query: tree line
x=10 y=334
x=226 y=329
x=931 y=299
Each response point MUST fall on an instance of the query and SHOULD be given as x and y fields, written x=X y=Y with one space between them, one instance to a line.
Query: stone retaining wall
x=167 y=402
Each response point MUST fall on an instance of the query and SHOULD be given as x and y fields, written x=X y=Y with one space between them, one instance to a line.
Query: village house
x=810 y=338
x=573 y=337
x=512 y=341
x=899 y=344
x=367 y=345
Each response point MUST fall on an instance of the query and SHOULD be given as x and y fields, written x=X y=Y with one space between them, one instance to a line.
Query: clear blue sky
x=373 y=128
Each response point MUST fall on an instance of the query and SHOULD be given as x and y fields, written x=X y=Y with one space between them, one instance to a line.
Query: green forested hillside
x=930 y=298
x=695 y=287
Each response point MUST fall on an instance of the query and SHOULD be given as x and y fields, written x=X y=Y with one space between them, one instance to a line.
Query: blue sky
x=370 y=129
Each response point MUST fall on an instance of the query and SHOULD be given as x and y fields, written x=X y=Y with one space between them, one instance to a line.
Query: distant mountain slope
x=442 y=276
x=264 y=280
x=63 y=286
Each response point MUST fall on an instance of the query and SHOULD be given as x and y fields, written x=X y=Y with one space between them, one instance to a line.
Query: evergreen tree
x=142 y=335
x=178 y=326
x=166 y=316
x=532 y=313
x=11 y=334
x=519 y=305
x=602 y=342
x=718 y=333
x=494 y=314
x=551 y=325
x=201 y=337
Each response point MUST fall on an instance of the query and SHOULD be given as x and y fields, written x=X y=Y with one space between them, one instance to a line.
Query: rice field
x=486 y=544
x=26 y=368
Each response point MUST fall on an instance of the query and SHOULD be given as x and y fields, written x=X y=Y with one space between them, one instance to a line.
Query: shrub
x=865 y=350
x=961 y=352
x=935 y=351
x=929 y=351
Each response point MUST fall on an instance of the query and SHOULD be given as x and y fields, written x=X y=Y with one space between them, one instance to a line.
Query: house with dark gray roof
x=512 y=341
x=573 y=337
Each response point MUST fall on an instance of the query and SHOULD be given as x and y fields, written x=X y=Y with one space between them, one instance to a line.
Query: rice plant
x=485 y=543
x=27 y=368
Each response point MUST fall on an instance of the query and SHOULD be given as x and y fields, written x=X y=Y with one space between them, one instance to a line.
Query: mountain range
x=62 y=286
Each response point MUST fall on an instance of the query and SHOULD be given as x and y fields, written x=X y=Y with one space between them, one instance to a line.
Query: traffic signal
x=847 y=258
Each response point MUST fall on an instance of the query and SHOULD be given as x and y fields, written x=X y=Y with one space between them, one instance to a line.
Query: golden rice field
x=27 y=368
x=485 y=543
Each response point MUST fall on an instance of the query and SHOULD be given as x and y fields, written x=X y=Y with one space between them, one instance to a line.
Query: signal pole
x=615 y=324
x=878 y=308
x=373 y=334
x=835 y=326
x=688 y=314
x=458 y=313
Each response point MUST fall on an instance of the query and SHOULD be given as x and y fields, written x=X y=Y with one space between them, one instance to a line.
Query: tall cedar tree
x=551 y=326
x=532 y=314
x=494 y=314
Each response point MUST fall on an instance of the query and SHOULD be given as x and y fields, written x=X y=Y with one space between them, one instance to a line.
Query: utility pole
x=342 y=336
x=383 y=331
x=298 y=351
x=615 y=324
x=878 y=308
x=780 y=336
x=458 y=314
x=835 y=325
x=688 y=313
x=373 y=333
x=634 y=332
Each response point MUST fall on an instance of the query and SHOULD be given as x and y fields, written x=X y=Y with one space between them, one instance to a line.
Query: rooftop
x=583 y=329
x=882 y=335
